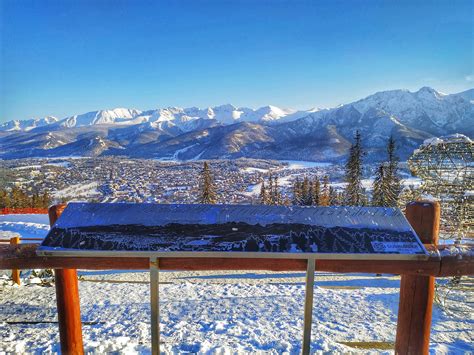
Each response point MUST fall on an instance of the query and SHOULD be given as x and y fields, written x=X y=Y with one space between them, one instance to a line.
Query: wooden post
x=67 y=300
x=15 y=272
x=417 y=292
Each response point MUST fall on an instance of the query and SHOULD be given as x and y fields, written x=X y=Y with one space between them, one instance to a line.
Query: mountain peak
x=429 y=92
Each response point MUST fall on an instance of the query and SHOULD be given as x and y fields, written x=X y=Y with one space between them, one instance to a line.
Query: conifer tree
x=271 y=191
x=378 y=194
x=45 y=200
x=297 y=193
x=207 y=189
x=5 y=201
x=316 y=195
x=354 y=191
x=277 y=193
x=35 y=200
x=333 y=197
x=325 y=192
x=305 y=192
x=393 y=185
x=263 y=194
x=386 y=186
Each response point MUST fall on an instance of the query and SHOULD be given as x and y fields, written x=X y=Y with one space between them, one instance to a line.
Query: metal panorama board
x=179 y=230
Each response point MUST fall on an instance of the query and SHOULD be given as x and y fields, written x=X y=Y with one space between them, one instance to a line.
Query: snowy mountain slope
x=467 y=95
x=268 y=132
x=117 y=116
x=427 y=108
x=187 y=119
x=27 y=125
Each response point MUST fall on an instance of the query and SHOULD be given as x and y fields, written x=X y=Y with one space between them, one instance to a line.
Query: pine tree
x=393 y=184
x=277 y=193
x=207 y=189
x=378 y=194
x=305 y=192
x=45 y=200
x=387 y=186
x=325 y=192
x=35 y=200
x=18 y=198
x=297 y=193
x=316 y=195
x=271 y=191
x=333 y=197
x=5 y=201
x=354 y=191
x=263 y=194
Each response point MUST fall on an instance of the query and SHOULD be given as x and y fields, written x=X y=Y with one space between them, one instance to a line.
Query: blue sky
x=65 y=57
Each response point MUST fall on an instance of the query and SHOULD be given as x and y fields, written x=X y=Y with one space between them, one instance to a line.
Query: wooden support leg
x=15 y=272
x=67 y=300
x=69 y=313
x=417 y=292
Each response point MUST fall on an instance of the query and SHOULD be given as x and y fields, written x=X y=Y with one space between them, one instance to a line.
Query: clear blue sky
x=65 y=57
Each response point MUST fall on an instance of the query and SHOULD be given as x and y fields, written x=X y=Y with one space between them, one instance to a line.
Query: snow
x=446 y=139
x=301 y=164
x=185 y=118
x=74 y=191
x=215 y=312
x=254 y=190
x=220 y=312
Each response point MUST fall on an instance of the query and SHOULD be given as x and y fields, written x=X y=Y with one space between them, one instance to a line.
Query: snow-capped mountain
x=27 y=125
x=115 y=116
x=187 y=119
x=467 y=95
x=227 y=131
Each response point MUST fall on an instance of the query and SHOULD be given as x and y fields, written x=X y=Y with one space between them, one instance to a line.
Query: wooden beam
x=24 y=256
x=417 y=292
x=67 y=300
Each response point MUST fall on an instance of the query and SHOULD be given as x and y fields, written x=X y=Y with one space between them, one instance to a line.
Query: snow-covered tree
x=316 y=192
x=263 y=194
x=386 y=186
x=207 y=189
x=297 y=192
x=354 y=190
x=378 y=194
x=324 y=201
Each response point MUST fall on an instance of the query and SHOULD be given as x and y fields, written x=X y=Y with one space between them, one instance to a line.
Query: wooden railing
x=13 y=241
x=27 y=210
x=416 y=288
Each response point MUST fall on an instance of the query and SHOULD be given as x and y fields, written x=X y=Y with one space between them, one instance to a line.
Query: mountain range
x=230 y=132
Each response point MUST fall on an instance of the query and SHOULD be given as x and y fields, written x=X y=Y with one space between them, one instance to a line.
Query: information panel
x=234 y=230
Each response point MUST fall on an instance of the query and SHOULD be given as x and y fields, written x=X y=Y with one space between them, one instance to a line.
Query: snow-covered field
x=215 y=312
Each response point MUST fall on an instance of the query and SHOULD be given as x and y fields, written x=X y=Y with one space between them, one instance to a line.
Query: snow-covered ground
x=214 y=312
x=301 y=164
x=78 y=190
x=220 y=312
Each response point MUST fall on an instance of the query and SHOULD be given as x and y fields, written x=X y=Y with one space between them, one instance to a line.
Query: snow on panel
x=232 y=228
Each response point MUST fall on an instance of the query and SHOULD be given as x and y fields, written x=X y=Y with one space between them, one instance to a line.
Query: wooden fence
x=416 y=288
x=13 y=241
x=28 y=210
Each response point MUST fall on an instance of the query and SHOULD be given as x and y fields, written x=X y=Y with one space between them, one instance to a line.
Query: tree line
x=18 y=198
x=386 y=188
